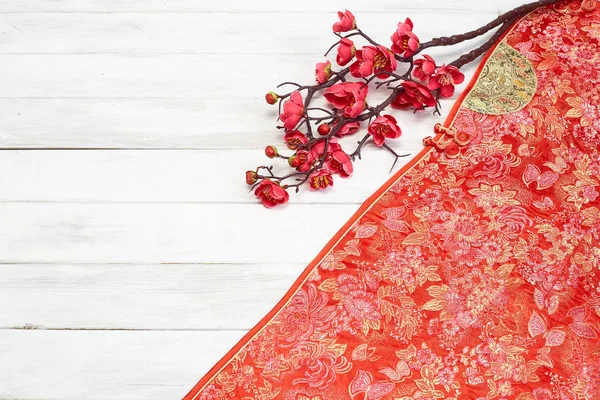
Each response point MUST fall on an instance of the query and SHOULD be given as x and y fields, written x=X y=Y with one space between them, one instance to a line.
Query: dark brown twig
x=474 y=54
x=509 y=16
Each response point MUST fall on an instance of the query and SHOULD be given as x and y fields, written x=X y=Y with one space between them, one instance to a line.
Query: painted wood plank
x=112 y=76
x=135 y=76
x=152 y=101
x=156 y=76
x=101 y=365
x=168 y=176
x=240 y=6
x=62 y=115
x=153 y=297
x=207 y=33
x=166 y=233
x=163 y=123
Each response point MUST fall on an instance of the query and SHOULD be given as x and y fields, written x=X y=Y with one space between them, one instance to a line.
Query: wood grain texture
x=141 y=297
x=110 y=76
x=173 y=176
x=165 y=233
x=167 y=33
x=102 y=365
x=160 y=123
x=243 y=6
x=130 y=81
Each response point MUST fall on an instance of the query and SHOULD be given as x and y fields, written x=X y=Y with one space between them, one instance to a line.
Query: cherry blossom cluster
x=313 y=134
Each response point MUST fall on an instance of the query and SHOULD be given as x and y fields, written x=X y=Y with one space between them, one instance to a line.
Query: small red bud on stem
x=271 y=151
x=251 y=177
x=271 y=98
x=294 y=161
x=324 y=129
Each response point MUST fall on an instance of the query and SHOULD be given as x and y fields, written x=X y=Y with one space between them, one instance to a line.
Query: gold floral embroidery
x=507 y=83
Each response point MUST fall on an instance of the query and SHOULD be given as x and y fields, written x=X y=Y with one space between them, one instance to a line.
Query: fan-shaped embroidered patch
x=507 y=83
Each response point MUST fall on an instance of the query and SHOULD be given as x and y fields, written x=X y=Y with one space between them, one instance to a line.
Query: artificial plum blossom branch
x=314 y=140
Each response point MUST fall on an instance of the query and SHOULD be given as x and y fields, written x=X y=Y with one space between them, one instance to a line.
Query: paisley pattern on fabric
x=507 y=83
x=475 y=277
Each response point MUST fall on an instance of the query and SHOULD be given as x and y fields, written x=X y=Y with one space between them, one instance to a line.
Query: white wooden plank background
x=128 y=241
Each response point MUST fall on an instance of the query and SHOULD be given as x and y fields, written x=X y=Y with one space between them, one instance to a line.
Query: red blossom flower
x=323 y=71
x=346 y=23
x=415 y=95
x=349 y=129
x=340 y=163
x=271 y=193
x=404 y=41
x=294 y=139
x=345 y=52
x=445 y=78
x=349 y=97
x=424 y=68
x=320 y=180
x=318 y=149
x=384 y=127
x=303 y=160
x=293 y=111
x=371 y=59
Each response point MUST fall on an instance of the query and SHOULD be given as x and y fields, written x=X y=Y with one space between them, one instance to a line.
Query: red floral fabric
x=472 y=277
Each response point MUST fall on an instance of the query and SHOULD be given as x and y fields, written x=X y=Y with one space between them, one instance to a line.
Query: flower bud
x=271 y=98
x=324 y=129
x=271 y=151
x=346 y=23
x=251 y=177
x=294 y=161
x=323 y=72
